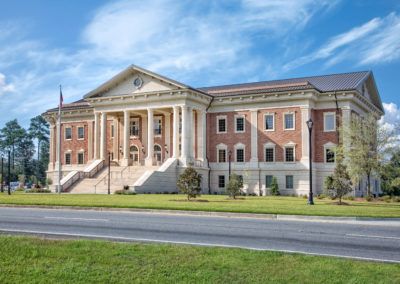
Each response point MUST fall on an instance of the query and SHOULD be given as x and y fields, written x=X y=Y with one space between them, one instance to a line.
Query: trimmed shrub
x=293 y=195
x=395 y=199
x=166 y=192
x=234 y=185
x=349 y=197
x=125 y=192
x=321 y=196
x=38 y=190
x=274 y=188
x=369 y=197
x=385 y=198
x=305 y=196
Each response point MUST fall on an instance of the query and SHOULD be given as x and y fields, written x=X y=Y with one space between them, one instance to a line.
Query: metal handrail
x=102 y=180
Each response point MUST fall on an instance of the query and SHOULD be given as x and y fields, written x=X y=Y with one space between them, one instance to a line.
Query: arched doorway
x=134 y=154
x=157 y=153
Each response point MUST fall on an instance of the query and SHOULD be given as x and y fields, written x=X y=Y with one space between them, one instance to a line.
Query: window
x=240 y=155
x=68 y=158
x=180 y=125
x=269 y=122
x=268 y=180
x=269 y=154
x=289 y=182
x=80 y=158
x=329 y=121
x=68 y=133
x=81 y=132
x=329 y=156
x=157 y=152
x=221 y=124
x=112 y=131
x=134 y=153
x=289 y=154
x=239 y=125
x=157 y=126
x=221 y=155
x=221 y=181
x=134 y=128
x=289 y=121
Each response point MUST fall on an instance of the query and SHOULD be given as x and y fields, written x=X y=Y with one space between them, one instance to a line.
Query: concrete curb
x=210 y=214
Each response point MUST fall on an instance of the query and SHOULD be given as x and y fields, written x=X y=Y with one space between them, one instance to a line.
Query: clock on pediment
x=138 y=82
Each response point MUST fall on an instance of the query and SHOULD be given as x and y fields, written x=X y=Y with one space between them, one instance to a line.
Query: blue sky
x=80 y=44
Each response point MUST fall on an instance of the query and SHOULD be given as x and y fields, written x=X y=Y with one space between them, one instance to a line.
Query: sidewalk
x=325 y=219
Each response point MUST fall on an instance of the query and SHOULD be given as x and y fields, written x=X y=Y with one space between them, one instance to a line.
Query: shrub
x=37 y=190
x=395 y=199
x=189 y=182
x=349 y=197
x=215 y=193
x=234 y=185
x=369 y=197
x=125 y=192
x=305 y=196
x=48 y=182
x=293 y=195
x=321 y=196
x=385 y=198
x=166 y=192
x=274 y=188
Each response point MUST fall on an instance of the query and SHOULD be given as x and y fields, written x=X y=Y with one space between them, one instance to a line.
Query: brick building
x=153 y=127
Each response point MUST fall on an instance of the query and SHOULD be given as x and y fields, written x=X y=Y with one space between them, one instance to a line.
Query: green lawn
x=218 y=203
x=32 y=260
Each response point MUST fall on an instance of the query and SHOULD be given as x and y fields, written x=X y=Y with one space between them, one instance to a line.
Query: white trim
x=222 y=146
x=77 y=132
x=219 y=117
x=294 y=120
x=269 y=145
x=237 y=147
x=273 y=121
x=244 y=123
x=65 y=133
x=334 y=121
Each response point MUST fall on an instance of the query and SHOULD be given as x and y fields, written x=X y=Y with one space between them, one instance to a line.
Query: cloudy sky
x=80 y=44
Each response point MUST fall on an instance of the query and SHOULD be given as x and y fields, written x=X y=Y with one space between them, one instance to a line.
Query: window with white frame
x=268 y=181
x=269 y=120
x=68 y=133
x=289 y=182
x=112 y=131
x=221 y=153
x=157 y=126
x=289 y=121
x=221 y=124
x=329 y=121
x=289 y=152
x=68 y=158
x=81 y=132
x=239 y=123
x=269 y=152
x=80 y=158
x=329 y=151
x=134 y=128
x=240 y=155
x=221 y=181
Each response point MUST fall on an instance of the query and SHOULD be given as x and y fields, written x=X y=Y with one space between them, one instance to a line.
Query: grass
x=217 y=203
x=33 y=260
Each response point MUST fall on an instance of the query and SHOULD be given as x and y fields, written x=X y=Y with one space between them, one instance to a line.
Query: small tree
x=274 y=188
x=341 y=181
x=189 y=182
x=48 y=182
x=234 y=185
x=328 y=184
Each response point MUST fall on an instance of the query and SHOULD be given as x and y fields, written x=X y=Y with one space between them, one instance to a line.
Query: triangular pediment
x=132 y=80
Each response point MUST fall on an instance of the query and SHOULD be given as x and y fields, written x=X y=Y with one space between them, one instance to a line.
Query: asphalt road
x=367 y=242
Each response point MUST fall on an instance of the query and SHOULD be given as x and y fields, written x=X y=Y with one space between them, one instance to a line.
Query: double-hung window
x=268 y=180
x=134 y=128
x=157 y=127
x=289 y=182
x=221 y=181
x=80 y=158
x=68 y=158
x=269 y=122
x=269 y=154
x=329 y=121
x=289 y=154
x=221 y=124
x=240 y=155
x=68 y=133
x=329 y=156
x=289 y=121
x=81 y=132
x=221 y=155
x=239 y=123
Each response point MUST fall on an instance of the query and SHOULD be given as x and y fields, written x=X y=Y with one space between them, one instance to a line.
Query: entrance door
x=134 y=154
x=157 y=153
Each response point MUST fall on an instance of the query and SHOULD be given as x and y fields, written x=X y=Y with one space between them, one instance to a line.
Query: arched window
x=134 y=153
x=157 y=152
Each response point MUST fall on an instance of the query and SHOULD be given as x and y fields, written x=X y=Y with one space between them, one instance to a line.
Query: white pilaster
x=103 y=136
x=254 y=139
x=305 y=115
x=185 y=135
x=202 y=136
x=51 y=156
x=115 y=139
x=175 y=135
x=125 y=159
x=90 y=140
x=191 y=134
x=150 y=137
x=96 y=135
x=168 y=135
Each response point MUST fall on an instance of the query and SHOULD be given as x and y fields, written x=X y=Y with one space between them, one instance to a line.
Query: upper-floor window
x=81 y=132
x=68 y=133
x=240 y=155
x=269 y=122
x=180 y=125
x=134 y=128
x=157 y=126
x=329 y=121
x=289 y=121
x=221 y=124
x=239 y=123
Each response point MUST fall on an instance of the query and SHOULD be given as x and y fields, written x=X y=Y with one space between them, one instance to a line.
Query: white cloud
x=3 y=86
x=391 y=119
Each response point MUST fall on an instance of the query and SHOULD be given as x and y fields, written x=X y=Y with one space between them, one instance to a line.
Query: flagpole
x=59 y=143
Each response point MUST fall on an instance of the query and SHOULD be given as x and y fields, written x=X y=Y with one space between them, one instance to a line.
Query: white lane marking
x=76 y=219
x=196 y=244
x=377 y=237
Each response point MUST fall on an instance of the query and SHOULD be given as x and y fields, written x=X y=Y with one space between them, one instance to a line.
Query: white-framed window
x=157 y=152
x=221 y=181
x=221 y=153
x=112 y=131
x=68 y=133
x=81 y=132
x=289 y=182
x=269 y=121
x=289 y=121
x=68 y=157
x=240 y=123
x=329 y=121
x=81 y=157
x=221 y=124
x=329 y=153
x=268 y=181
x=290 y=152
x=134 y=128
x=269 y=152
x=157 y=126
x=240 y=153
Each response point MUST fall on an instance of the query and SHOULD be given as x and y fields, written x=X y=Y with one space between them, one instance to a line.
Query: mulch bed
x=343 y=203
x=190 y=200
x=237 y=198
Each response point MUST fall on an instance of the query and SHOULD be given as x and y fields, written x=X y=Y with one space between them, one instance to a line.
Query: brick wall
x=74 y=144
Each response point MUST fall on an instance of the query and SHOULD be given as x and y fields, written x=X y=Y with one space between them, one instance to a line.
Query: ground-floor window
x=134 y=153
x=157 y=152
x=221 y=181
x=329 y=156
x=80 y=158
x=268 y=180
x=68 y=158
x=289 y=182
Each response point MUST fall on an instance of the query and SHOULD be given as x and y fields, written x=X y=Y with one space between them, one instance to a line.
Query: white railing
x=69 y=180
x=93 y=168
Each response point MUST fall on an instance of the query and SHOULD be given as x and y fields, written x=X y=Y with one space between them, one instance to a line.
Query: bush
x=385 y=198
x=305 y=196
x=369 y=197
x=37 y=190
x=166 y=192
x=321 y=196
x=395 y=199
x=48 y=182
x=189 y=182
x=293 y=195
x=274 y=188
x=234 y=185
x=349 y=197
x=125 y=192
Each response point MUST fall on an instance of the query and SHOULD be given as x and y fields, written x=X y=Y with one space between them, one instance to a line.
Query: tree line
x=20 y=143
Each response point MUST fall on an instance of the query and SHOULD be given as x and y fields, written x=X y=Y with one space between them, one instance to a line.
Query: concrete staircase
x=120 y=176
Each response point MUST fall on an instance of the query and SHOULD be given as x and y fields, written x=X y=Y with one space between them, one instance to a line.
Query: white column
x=305 y=115
x=185 y=135
x=144 y=136
x=103 y=136
x=175 y=129
x=51 y=156
x=150 y=137
x=202 y=136
x=125 y=149
x=254 y=140
x=115 y=139
x=90 y=140
x=96 y=135
x=191 y=134
x=168 y=135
